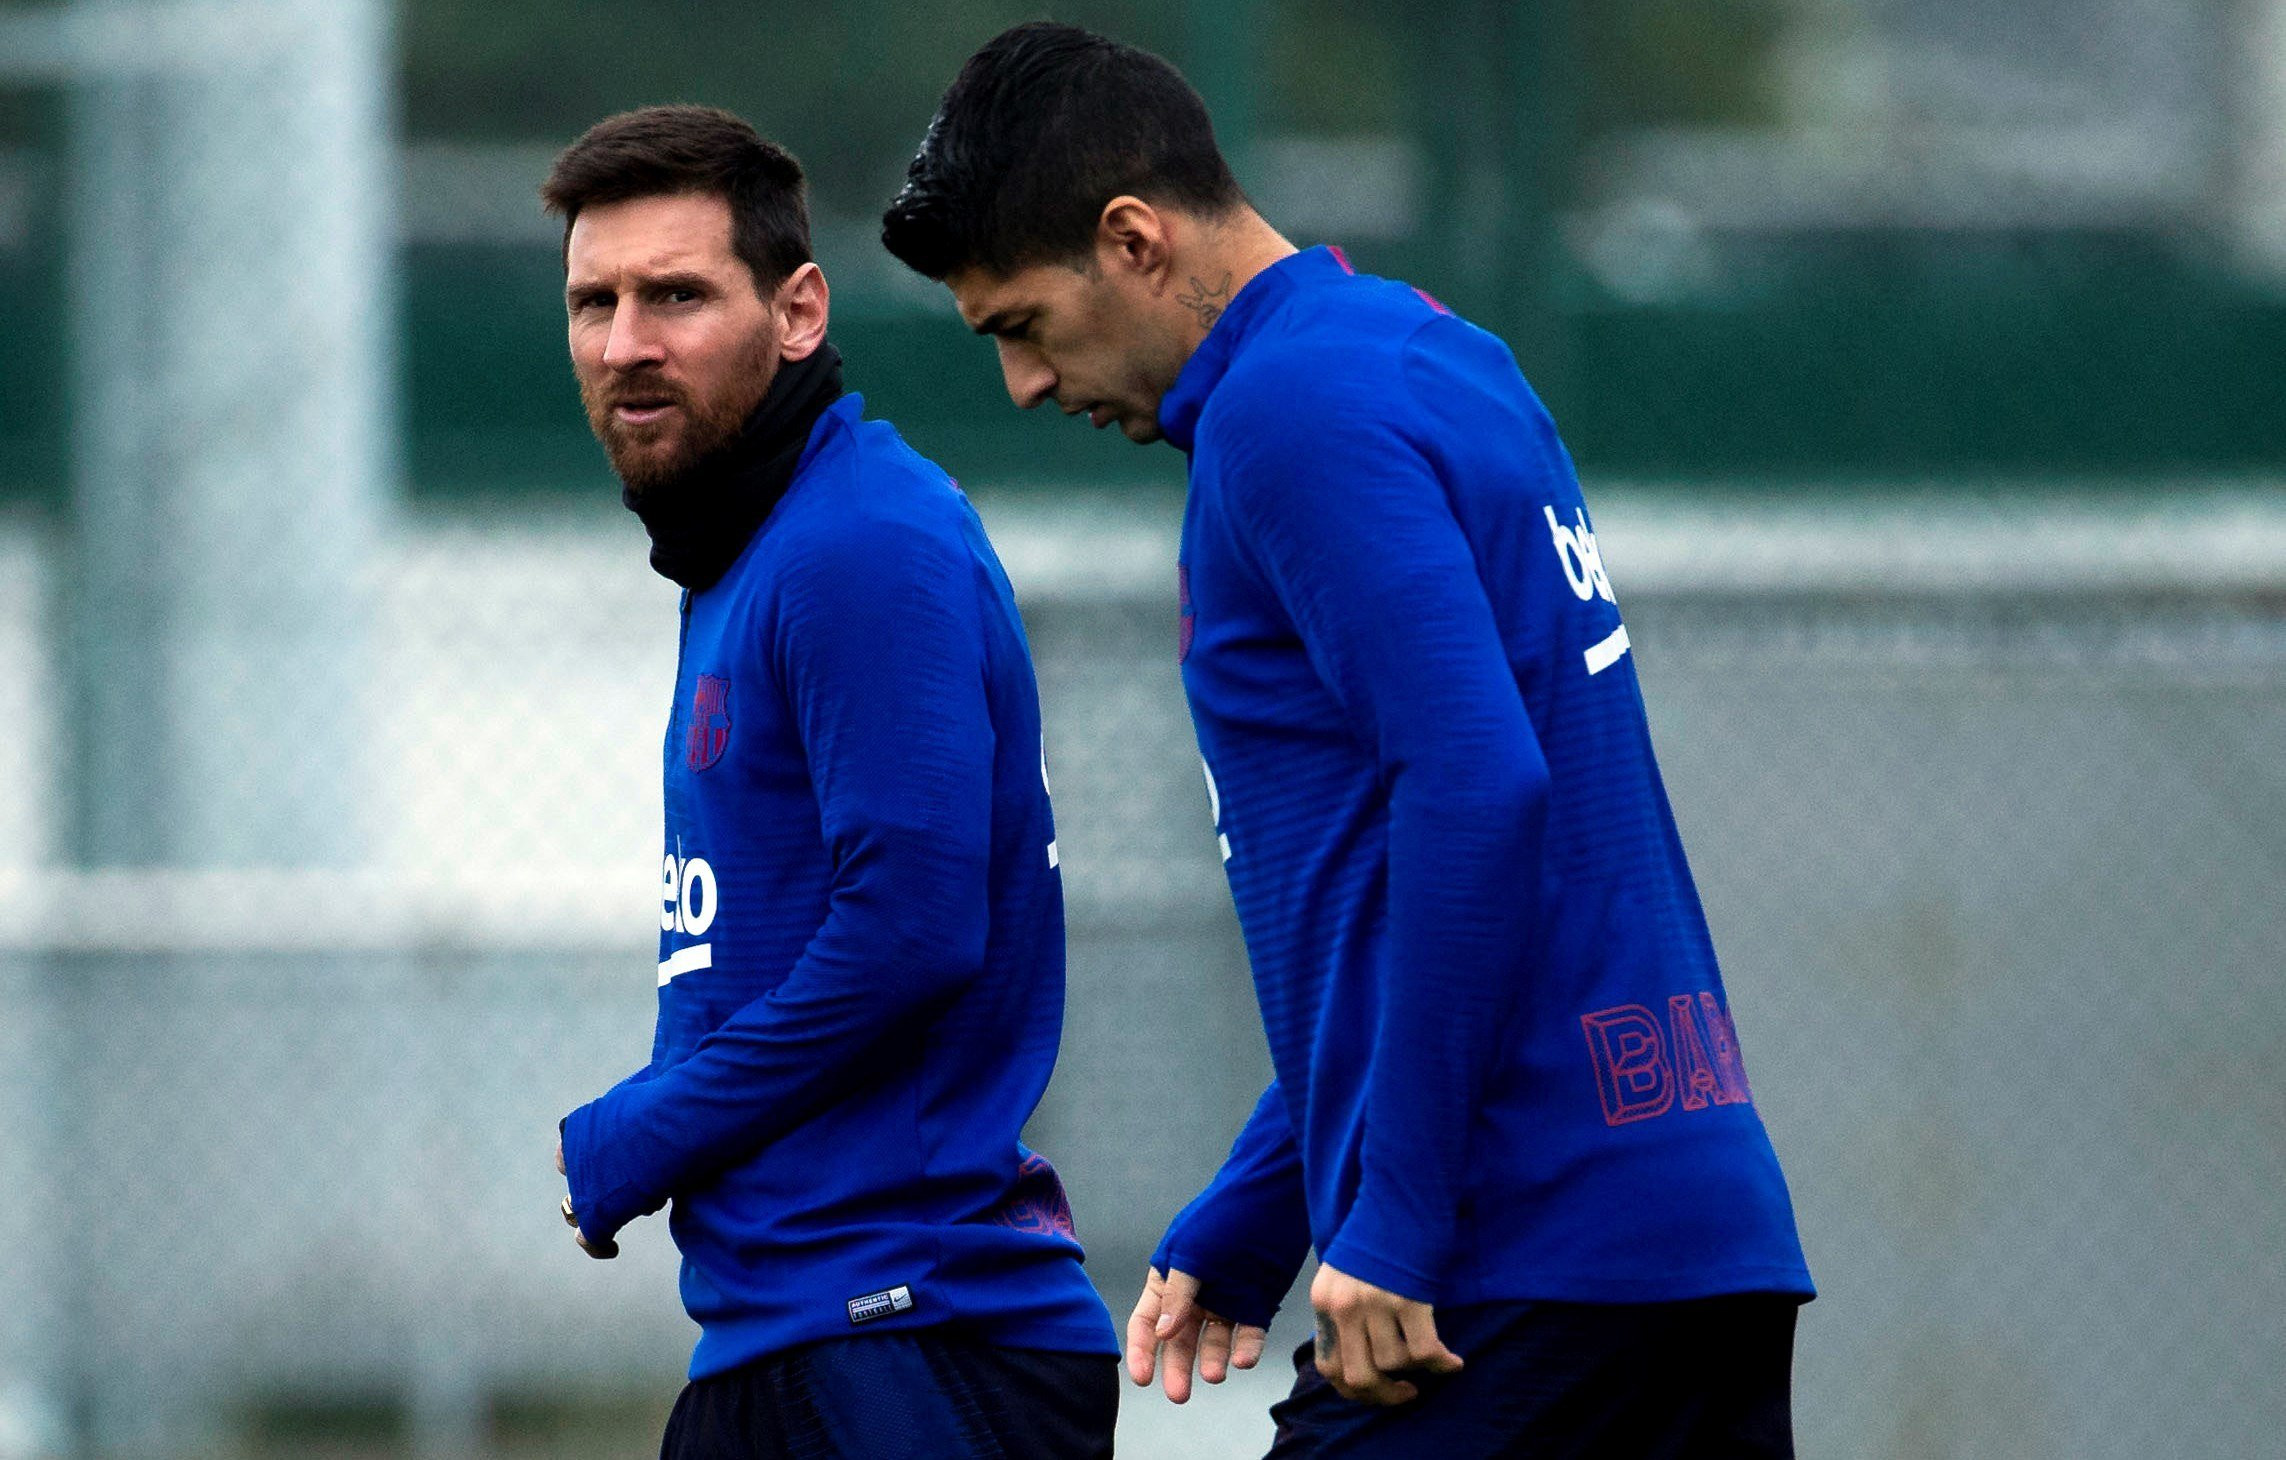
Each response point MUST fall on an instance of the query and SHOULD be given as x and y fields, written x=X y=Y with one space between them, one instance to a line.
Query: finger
x=1379 y=1389
x=1177 y=1332
x=1143 y=1331
x=603 y=1250
x=1362 y=1379
x=1422 y=1346
x=1385 y=1346
x=1356 y=1355
x=1214 y=1350
x=1246 y=1346
x=1175 y=1355
x=1178 y=1301
x=1385 y=1342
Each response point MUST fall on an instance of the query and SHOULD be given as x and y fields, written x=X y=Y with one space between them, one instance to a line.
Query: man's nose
x=1028 y=376
x=631 y=342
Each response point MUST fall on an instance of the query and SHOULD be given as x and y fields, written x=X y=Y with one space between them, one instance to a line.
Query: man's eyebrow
x=674 y=279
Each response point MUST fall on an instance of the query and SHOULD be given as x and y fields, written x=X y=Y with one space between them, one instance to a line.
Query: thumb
x=1178 y=1302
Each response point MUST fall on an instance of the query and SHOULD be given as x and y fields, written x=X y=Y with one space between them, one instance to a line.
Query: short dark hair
x=661 y=151
x=1043 y=127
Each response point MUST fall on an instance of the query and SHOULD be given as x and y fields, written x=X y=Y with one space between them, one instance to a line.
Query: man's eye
x=585 y=302
x=682 y=296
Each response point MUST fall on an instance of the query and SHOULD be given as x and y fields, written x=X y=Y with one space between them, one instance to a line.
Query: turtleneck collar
x=702 y=522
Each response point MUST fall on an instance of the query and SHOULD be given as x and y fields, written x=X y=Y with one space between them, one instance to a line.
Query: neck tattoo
x=1206 y=301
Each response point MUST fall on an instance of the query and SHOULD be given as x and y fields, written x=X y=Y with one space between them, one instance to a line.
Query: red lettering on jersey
x=1693 y=1070
x=1631 y=1071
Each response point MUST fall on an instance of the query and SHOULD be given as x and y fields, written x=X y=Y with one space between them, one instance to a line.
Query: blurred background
x=1925 y=361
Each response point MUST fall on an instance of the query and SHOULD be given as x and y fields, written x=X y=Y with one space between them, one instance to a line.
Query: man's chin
x=646 y=467
x=1142 y=432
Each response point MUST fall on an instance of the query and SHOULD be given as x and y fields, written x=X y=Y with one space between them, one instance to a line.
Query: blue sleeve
x=1348 y=522
x=880 y=652
x=637 y=1078
x=1245 y=1236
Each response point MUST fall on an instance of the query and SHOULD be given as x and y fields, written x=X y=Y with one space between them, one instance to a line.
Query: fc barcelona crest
x=710 y=721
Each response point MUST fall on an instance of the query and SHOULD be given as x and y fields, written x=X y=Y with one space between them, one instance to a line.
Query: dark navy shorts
x=932 y=1394
x=1711 y=1378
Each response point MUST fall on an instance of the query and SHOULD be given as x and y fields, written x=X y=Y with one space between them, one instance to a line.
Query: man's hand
x=1368 y=1337
x=1168 y=1317
x=592 y=1249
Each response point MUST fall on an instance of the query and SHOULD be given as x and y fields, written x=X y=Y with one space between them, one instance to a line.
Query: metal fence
x=328 y=795
x=1990 y=838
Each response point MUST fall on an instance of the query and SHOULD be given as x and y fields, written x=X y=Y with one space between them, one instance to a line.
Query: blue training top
x=1505 y=1064
x=861 y=975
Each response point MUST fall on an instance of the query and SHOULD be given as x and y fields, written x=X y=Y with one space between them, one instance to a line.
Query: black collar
x=702 y=522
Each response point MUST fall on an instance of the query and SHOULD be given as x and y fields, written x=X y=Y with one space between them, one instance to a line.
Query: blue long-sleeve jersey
x=1506 y=1067
x=861 y=963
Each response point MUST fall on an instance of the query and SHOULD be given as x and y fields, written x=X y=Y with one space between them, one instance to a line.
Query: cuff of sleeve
x=1409 y=1266
x=1245 y=1287
x=602 y=1198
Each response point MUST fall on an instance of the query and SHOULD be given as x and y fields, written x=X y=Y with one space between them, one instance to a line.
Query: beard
x=658 y=454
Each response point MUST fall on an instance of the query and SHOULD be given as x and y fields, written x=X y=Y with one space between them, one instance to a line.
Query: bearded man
x=861 y=964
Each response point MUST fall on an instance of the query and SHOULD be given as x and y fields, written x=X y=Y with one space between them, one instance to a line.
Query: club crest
x=710 y=721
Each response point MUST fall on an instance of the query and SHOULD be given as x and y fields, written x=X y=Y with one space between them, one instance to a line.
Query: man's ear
x=802 y=303
x=1132 y=237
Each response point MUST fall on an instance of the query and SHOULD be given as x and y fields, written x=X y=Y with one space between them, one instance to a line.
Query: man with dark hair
x=1509 y=1112
x=861 y=920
